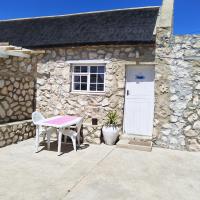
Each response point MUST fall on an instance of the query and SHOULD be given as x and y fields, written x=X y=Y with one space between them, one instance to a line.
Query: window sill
x=89 y=93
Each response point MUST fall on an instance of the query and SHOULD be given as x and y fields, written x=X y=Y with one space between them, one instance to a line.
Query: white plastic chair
x=73 y=134
x=45 y=131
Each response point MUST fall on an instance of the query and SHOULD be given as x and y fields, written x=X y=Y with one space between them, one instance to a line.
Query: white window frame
x=88 y=77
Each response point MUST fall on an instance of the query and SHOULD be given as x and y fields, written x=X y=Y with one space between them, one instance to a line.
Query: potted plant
x=110 y=130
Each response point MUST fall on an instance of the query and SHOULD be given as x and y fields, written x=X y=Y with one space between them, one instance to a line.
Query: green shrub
x=112 y=118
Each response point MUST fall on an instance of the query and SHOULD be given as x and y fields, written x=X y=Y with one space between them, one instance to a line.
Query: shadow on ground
x=66 y=147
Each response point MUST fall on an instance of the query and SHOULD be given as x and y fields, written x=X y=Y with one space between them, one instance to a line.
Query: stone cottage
x=125 y=60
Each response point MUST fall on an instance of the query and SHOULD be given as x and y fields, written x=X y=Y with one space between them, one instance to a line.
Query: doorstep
x=135 y=142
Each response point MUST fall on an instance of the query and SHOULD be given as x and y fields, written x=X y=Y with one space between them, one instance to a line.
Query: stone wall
x=177 y=89
x=17 y=89
x=54 y=94
x=181 y=128
x=191 y=115
x=162 y=110
x=14 y=132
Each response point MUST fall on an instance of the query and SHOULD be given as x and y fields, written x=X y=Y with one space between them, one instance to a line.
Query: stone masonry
x=176 y=120
x=44 y=83
x=181 y=129
x=17 y=89
x=162 y=71
x=192 y=113
x=54 y=94
x=177 y=116
x=17 y=94
x=14 y=132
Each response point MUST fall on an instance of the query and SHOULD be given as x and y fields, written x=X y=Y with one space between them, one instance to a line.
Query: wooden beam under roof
x=17 y=54
x=3 y=55
x=4 y=43
x=7 y=50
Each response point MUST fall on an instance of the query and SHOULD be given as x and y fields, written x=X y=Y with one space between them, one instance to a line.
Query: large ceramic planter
x=110 y=134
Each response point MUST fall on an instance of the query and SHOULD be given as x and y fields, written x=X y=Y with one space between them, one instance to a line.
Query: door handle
x=127 y=92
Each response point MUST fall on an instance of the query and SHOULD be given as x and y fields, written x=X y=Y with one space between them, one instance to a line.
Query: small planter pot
x=110 y=134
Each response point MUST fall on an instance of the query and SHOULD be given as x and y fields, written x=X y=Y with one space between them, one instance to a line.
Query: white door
x=139 y=100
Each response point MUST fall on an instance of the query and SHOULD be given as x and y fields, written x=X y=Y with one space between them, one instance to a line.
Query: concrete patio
x=97 y=172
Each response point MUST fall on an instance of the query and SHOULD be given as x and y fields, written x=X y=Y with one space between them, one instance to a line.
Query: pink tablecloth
x=61 y=120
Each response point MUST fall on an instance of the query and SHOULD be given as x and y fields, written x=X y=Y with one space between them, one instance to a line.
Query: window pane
x=100 y=87
x=93 y=87
x=76 y=68
x=76 y=78
x=93 y=69
x=84 y=79
x=101 y=69
x=96 y=78
x=100 y=78
x=84 y=69
x=83 y=86
x=76 y=86
x=93 y=78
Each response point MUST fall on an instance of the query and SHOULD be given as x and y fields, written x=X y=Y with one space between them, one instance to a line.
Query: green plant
x=111 y=118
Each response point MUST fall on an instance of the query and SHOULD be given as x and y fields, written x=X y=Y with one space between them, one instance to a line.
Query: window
x=88 y=78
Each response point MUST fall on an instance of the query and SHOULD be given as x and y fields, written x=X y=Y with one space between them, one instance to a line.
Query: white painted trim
x=88 y=91
x=146 y=63
x=7 y=50
x=99 y=62
x=139 y=63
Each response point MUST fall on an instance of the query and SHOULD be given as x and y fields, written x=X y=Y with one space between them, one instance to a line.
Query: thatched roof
x=127 y=26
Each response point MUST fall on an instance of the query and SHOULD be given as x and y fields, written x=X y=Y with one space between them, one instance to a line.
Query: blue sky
x=186 y=17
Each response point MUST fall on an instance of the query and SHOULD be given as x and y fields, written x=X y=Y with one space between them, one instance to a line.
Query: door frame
x=124 y=115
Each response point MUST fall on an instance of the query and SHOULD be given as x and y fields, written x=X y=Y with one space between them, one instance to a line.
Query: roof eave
x=152 y=42
x=82 y=13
